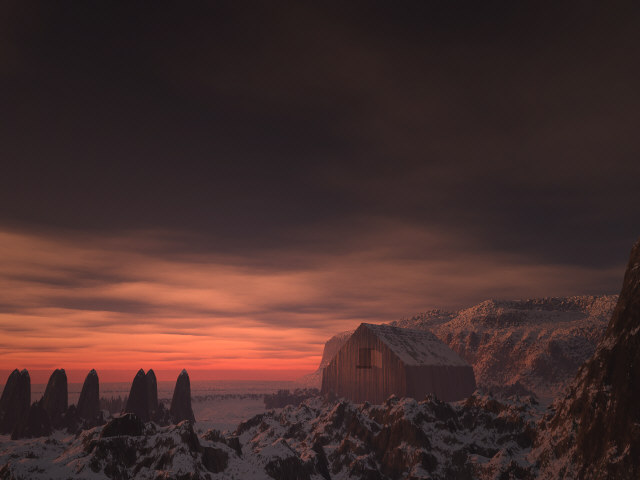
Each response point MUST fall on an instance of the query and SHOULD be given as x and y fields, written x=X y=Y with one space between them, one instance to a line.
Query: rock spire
x=181 y=402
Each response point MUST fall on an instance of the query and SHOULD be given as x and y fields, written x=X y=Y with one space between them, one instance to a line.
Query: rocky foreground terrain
x=318 y=439
x=539 y=343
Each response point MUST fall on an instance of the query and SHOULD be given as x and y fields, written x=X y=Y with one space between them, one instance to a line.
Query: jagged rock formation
x=128 y=424
x=181 y=402
x=483 y=438
x=89 y=401
x=36 y=423
x=398 y=439
x=595 y=432
x=125 y=448
x=540 y=343
x=15 y=400
x=55 y=398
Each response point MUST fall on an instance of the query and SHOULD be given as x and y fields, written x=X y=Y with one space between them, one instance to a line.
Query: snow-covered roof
x=416 y=347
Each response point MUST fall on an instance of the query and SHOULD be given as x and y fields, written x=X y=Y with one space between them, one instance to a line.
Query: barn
x=380 y=360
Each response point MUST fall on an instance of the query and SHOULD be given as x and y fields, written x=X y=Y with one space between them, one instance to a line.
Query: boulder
x=55 y=398
x=128 y=424
x=215 y=459
x=152 y=393
x=181 y=402
x=137 y=402
x=89 y=401
x=15 y=400
x=35 y=424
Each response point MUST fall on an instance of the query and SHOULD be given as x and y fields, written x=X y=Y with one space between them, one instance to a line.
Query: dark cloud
x=260 y=128
x=311 y=165
x=99 y=304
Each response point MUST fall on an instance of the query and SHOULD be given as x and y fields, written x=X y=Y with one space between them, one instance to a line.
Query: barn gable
x=415 y=347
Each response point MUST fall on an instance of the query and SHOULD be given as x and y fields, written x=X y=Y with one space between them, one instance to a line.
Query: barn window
x=369 y=358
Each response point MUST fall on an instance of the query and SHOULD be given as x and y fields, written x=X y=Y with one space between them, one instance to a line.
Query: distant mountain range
x=538 y=342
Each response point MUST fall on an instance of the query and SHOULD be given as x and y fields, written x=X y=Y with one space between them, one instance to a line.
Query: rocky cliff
x=595 y=431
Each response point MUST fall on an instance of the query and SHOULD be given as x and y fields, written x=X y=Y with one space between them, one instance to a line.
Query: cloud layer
x=220 y=187
x=119 y=303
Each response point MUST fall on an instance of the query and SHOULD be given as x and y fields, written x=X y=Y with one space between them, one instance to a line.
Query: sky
x=222 y=186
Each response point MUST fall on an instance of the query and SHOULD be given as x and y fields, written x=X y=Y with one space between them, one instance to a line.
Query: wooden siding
x=343 y=377
x=389 y=375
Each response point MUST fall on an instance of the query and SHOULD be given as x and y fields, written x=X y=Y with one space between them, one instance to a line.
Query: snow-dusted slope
x=481 y=438
x=151 y=452
x=538 y=342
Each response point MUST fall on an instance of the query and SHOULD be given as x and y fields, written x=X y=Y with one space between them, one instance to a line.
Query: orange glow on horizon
x=118 y=304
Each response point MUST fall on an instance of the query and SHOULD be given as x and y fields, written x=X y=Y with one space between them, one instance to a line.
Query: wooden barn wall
x=449 y=383
x=374 y=385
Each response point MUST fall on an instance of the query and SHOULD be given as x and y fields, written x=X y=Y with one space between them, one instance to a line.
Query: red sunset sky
x=222 y=189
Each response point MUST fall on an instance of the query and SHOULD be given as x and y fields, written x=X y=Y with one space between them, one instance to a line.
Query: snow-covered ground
x=483 y=438
x=225 y=414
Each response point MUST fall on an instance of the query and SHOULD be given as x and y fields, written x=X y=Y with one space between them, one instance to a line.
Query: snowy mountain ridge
x=539 y=342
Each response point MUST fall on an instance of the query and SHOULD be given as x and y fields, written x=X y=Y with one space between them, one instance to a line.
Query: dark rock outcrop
x=595 y=432
x=152 y=393
x=35 y=424
x=128 y=424
x=290 y=468
x=15 y=400
x=89 y=402
x=137 y=402
x=55 y=398
x=181 y=402
x=215 y=459
x=127 y=448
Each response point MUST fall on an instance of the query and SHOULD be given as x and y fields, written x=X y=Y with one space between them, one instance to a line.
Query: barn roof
x=415 y=347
